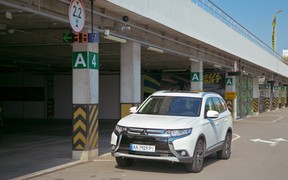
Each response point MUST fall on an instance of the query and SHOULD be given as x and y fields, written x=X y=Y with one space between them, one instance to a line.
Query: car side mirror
x=133 y=110
x=212 y=114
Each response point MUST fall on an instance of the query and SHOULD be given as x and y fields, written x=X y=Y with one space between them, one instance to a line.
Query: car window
x=217 y=105
x=208 y=105
x=179 y=106
x=223 y=104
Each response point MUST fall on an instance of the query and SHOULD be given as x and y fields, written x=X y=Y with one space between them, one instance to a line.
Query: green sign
x=195 y=77
x=275 y=88
x=80 y=60
x=93 y=60
x=229 y=81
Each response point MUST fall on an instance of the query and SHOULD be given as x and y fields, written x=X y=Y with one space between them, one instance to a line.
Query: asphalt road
x=259 y=151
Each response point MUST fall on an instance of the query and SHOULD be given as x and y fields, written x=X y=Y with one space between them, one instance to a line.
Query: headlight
x=179 y=132
x=119 y=129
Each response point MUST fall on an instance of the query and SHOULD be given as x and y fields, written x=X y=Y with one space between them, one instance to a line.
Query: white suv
x=180 y=127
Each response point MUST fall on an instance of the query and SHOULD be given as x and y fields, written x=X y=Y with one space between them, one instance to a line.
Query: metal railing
x=217 y=12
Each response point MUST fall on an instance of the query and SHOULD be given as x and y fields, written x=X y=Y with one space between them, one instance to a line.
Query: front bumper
x=165 y=151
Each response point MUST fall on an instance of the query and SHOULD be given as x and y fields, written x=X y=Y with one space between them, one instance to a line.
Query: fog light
x=113 y=147
x=183 y=153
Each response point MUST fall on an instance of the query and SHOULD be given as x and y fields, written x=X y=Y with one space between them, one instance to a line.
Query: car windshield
x=168 y=105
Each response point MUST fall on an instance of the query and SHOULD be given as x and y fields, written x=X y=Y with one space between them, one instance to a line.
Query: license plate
x=142 y=148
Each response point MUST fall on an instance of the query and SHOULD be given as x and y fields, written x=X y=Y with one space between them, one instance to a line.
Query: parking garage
x=39 y=82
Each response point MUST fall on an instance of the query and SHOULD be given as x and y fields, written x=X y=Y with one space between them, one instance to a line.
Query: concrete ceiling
x=31 y=38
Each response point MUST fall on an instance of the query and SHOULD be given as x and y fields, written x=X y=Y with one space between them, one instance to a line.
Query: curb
x=49 y=170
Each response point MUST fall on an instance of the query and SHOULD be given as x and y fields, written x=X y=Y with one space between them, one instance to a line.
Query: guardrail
x=217 y=12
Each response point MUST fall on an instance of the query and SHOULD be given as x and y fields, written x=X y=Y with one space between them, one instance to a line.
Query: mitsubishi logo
x=144 y=132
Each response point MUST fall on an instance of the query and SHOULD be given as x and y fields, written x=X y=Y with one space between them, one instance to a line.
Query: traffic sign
x=231 y=95
x=81 y=37
x=77 y=15
x=68 y=37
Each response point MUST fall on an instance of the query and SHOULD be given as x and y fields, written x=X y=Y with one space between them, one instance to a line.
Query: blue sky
x=257 y=16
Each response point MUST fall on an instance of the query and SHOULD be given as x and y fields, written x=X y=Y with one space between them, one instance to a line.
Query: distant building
x=285 y=53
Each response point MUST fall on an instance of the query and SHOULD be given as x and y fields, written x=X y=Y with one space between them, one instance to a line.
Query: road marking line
x=237 y=137
x=281 y=117
x=247 y=120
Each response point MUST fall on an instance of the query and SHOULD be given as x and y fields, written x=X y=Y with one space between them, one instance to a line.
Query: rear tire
x=198 y=158
x=124 y=162
x=225 y=153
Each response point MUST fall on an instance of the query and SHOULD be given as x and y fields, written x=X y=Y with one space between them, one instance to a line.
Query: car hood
x=157 y=121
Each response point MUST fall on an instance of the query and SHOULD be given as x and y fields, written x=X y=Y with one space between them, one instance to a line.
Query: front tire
x=124 y=162
x=225 y=153
x=198 y=158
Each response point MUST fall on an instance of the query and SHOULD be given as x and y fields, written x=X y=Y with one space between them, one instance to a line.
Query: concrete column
x=283 y=96
x=196 y=75
x=85 y=64
x=50 y=97
x=130 y=80
x=275 y=99
x=231 y=94
x=256 y=96
x=267 y=97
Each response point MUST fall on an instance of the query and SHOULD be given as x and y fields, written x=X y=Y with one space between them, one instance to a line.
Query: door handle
x=217 y=123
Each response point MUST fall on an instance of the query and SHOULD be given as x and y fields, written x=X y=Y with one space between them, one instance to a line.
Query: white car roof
x=184 y=93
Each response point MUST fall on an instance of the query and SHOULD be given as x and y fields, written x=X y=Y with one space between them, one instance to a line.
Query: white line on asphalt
x=237 y=137
x=281 y=117
x=247 y=120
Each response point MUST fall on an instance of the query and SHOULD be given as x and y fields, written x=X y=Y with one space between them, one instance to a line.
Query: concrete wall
x=22 y=109
x=184 y=16
x=63 y=96
x=109 y=100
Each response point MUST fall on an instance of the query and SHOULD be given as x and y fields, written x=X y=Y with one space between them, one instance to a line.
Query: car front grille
x=145 y=137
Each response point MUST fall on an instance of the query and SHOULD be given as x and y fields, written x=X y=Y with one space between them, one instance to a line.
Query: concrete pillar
x=196 y=75
x=256 y=96
x=130 y=80
x=267 y=97
x=275 y=96
x=231 y=94
x=283 y=96
x=50 y=97
x=85 y=64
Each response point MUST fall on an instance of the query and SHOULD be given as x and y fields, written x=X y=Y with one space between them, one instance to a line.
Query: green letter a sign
x=195 y=77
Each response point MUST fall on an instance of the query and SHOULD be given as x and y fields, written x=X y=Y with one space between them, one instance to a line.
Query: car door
x=210 y=125
x=221 y=121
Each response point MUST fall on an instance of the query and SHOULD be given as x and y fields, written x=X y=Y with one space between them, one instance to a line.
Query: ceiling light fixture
x=8 y=15
x=193 y=60
x=217 y=66
x=114 y=38
x=155 y=49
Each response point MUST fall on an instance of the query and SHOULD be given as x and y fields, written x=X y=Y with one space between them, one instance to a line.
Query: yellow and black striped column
x=85 y=63
x=229 y=103
x=275 y=103
x=267 y=104
x=50 y=107
x=50 y=97
x=85 y=127
x=256 y=105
